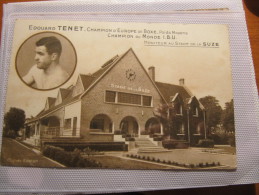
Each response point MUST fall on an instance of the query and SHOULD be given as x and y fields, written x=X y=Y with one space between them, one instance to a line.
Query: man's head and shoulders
x=47 y=73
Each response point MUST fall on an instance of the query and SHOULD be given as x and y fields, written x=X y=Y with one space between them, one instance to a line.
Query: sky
x=206 y=69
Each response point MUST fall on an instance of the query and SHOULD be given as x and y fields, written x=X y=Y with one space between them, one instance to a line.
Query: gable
x=79 y=88
x=49 y=103
x=194 y=102
x=127 y=74
x=58 y=99
x=46 y=105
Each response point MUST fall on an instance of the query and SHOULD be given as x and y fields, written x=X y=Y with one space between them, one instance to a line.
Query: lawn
x=113 y=162
x=15 y=154
x=193 y=156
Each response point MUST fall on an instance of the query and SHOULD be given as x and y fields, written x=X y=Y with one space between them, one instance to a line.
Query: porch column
x=161 y=128
x=35 y=129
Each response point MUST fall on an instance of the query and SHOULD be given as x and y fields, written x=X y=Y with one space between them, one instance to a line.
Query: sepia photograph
x=124 y=96
x=38 y=61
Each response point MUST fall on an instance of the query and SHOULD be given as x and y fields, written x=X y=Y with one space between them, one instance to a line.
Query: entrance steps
x=144 y=145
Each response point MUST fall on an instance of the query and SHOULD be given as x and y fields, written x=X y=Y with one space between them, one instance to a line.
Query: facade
x=120 y=98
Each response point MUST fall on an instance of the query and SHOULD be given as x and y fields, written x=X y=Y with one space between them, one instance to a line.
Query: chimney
x=151 y=72
x=181 y=82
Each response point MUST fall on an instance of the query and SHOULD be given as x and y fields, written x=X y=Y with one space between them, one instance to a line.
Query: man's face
x=42 y=58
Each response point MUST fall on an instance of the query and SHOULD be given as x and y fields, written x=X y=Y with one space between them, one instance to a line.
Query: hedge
x=208 y=143
x=69 y=159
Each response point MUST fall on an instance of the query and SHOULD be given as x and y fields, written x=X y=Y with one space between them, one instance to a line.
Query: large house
x=120 y=98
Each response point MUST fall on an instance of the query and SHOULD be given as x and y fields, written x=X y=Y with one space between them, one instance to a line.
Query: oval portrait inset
x=46 y=61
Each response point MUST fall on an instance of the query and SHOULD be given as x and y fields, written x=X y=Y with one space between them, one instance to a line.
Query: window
x=195 y=111
x=110 y=96
x=179 y=109
x=129 y=98
x=180 y=128
x=147 y=100
x=198 y=129
x=67 y=123
x=97 y=124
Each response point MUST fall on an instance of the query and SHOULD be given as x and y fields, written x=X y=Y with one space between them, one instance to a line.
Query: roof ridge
x=168 y=83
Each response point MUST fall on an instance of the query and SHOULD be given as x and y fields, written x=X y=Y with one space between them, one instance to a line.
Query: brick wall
x=93 y=102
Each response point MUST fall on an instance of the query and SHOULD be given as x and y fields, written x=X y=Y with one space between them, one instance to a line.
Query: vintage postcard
x=119 y=96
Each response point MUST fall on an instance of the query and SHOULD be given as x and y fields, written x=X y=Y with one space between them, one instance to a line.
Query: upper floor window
x=195 y=111
x=147 y=100
x=178 y=109
x=128 y=98
x=110 y=96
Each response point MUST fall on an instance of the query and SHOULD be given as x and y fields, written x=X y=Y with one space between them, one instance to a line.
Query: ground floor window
x=97 y=124
x=101 y=123
x=67 y=124
x=153 y=126
x=180 y=128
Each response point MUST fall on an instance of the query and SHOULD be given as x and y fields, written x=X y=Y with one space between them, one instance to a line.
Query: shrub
x=130 y=139
x=9 y=133
x=117 y=132
x=144 y=133
x=169 y=144
x=158 y=138
x=172 y=144
x=70 y=159
x=200 y=164
x=192 y=166
x=224 y=139
x=208 y=143
x=158 y=160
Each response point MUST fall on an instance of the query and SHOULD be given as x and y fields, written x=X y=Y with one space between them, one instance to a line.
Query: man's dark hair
x=52 y=44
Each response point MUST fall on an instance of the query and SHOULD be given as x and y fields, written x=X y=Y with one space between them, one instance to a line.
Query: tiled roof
x=51 y=101
x=170 y=90
x=64 y=93
x=86 y=80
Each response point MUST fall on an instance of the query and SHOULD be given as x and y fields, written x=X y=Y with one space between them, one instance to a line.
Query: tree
x=14 y=119
x=166 y=114
x=213 y=111
x=228 y=117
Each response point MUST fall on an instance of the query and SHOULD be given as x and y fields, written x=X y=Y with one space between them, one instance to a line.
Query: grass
x=14 y=154
x=112 y=162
